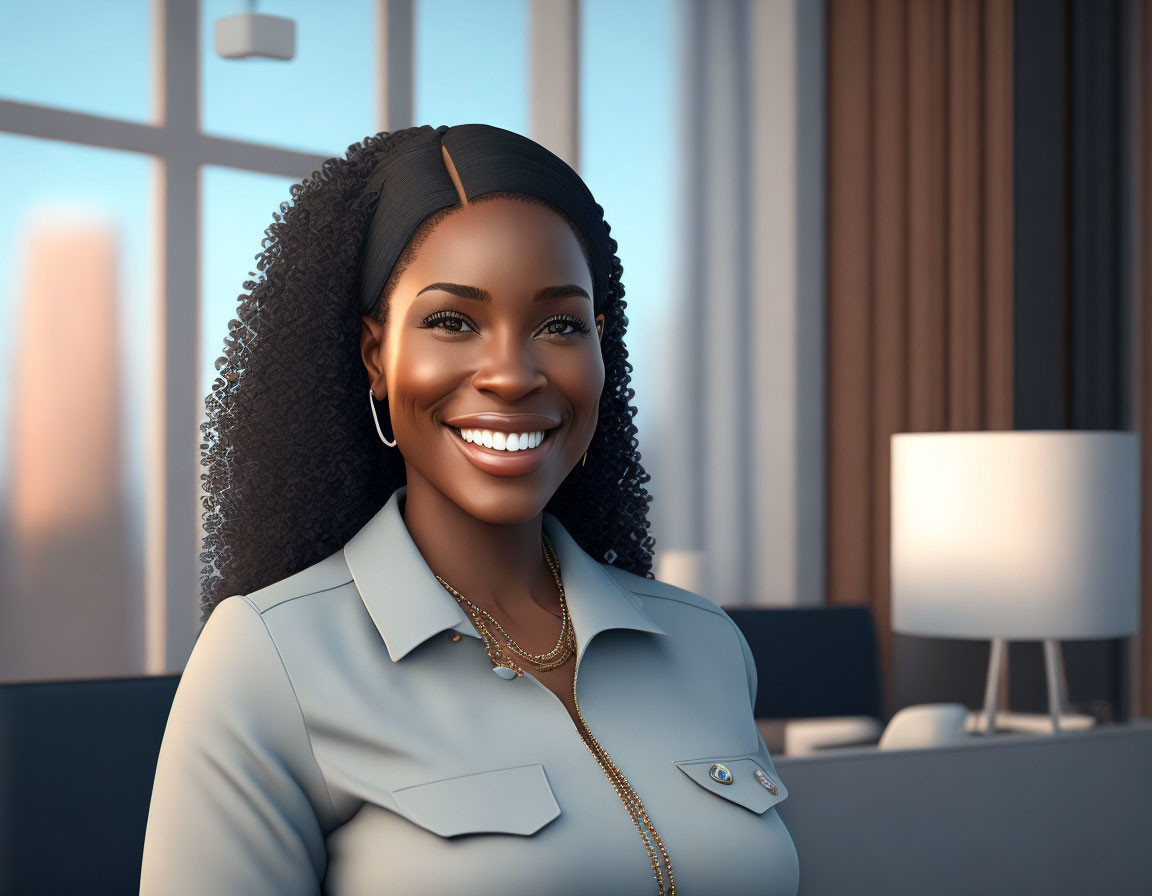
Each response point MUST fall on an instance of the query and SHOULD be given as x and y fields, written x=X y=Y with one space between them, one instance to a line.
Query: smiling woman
x=336 y=727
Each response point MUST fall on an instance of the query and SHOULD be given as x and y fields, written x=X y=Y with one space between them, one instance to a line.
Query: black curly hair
x=293 y=465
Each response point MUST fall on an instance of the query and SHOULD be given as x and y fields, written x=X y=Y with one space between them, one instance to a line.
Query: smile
x=502 y=441
x=492 y=450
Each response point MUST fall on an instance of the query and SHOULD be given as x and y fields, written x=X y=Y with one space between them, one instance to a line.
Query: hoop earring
x=376 y=420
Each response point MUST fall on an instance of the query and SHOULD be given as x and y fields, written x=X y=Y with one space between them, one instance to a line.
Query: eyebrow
x=474 y=292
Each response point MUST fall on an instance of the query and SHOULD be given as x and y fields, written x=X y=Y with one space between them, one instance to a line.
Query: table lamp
x=1016 y=535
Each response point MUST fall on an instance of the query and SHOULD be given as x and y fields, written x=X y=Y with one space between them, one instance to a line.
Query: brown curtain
x=919 y=255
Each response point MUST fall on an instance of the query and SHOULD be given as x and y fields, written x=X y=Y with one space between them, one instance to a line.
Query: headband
x=413 y=181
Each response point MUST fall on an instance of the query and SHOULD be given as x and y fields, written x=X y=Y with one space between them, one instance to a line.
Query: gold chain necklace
x=632 y=803
x=544 y=662
x=554 y=658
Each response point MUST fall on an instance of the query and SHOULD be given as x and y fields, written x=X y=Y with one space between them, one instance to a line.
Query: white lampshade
x=1016 y=535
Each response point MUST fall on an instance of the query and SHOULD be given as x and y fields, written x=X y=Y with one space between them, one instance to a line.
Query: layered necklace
x=507 y=667
x=500 y=655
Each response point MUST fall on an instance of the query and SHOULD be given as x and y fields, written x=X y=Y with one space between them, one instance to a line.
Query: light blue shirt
x=329 y=735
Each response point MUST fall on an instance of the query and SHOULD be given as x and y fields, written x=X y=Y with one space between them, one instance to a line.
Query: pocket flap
x=746 y=788
x=514 y=800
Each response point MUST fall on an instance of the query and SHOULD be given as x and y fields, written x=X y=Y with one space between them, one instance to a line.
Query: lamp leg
x=1054 y=671
x=992 y=686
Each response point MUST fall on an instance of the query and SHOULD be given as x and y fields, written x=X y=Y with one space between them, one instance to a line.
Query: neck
x=497 y=566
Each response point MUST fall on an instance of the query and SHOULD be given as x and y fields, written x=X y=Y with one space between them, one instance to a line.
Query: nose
x=509 y=368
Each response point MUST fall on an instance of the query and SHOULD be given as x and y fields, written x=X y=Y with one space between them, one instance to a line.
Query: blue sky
x=472 y=64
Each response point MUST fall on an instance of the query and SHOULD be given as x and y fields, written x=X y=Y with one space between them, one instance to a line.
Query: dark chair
x=814 y=663
x=77 y=760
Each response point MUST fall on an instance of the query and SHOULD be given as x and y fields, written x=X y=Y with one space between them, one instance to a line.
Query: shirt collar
x=408 y=605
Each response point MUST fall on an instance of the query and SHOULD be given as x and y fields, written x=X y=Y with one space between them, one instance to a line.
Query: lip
x=503 y=422
x=505 y=463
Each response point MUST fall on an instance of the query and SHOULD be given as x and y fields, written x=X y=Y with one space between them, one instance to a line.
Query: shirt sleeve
x=238 y=797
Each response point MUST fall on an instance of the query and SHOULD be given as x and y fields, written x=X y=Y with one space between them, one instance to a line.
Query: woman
x=339 y=726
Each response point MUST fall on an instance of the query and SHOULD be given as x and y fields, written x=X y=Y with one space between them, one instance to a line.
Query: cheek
x=420 y=375
x=583 y=382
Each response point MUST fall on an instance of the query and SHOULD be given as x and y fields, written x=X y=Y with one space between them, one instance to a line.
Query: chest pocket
x=515 y=800
x=752 y=780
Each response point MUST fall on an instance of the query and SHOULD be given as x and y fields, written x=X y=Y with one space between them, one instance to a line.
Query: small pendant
x=504 y=672
x=720 y=773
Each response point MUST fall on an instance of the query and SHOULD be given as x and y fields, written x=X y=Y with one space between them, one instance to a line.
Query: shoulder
x=330 y=573
x=236 y=764
x=661 y=591
x=654 y=594
x=289 y=615
x=256 y=648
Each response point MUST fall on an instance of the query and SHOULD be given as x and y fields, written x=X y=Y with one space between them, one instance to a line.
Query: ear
x=600 y=327
x=372 y=354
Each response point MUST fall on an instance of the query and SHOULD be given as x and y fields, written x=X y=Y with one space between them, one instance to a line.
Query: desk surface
x=1015 y=813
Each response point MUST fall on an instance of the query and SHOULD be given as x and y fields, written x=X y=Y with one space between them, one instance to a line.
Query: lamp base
x=1028 y=722
x=1056 y=720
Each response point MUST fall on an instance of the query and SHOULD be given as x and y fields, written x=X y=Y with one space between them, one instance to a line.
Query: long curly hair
x=293 y=467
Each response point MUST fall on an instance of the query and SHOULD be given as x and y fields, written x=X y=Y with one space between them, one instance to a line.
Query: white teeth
x=503 y=441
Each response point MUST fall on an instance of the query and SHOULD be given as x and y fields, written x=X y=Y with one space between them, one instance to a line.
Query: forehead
x=498 y=240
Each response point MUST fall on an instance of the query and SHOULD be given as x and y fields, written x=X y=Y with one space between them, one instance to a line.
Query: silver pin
x=769 y=785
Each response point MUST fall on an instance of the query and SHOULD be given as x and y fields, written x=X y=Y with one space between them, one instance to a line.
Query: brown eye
x=449 y=322
x=565 y=325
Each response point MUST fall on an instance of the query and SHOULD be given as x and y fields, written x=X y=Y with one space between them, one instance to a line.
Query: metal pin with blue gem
x=720 y=773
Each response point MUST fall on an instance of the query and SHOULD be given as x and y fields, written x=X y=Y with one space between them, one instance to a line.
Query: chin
x=502 y=503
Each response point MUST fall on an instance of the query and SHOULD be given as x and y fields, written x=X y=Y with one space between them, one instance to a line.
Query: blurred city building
x=71 y=581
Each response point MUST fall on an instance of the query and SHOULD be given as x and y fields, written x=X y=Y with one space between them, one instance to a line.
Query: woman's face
x=491 y=340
